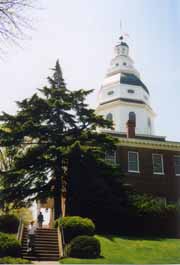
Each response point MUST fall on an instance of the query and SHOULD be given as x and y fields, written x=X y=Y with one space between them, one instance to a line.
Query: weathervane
x=122 y=34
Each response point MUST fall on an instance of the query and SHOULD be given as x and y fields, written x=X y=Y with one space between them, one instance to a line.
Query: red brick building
x=150 y=163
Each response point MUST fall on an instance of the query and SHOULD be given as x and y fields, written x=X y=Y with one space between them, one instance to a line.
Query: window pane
x=109 y=117
x=110 y=156
x=157 y=163
x=177 y=165
x=132 y=116
x=133 y=161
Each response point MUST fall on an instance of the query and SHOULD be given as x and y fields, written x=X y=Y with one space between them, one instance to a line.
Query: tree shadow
x=150 y=238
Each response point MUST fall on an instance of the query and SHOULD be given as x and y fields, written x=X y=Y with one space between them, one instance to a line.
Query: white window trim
x=162 y=163
x=134 y=171
x=174 y=166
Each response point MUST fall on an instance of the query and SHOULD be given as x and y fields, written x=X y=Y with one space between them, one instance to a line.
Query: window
x=110 y=157
x=123 y=50
x=158 y=167
x=117 y=64
x=109 y=116
x=132 y=116
x=133 y=162
x=110 y=93
x=145 y=97
x=125 y=63
x=131 y=91
x=177 y=165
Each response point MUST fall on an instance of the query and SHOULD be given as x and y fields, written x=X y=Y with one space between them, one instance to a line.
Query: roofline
x=128 y=101
x=162 y=138
x=150 y=144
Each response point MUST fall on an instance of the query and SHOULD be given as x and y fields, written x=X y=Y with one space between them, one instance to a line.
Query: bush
x=84 y=247
x=75 y=226
x=144 y=204
x=9 y=246
x=10 y=260
x=9 y=224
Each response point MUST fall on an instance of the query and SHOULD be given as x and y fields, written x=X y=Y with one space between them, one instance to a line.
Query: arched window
x=132 y=116
x=109 y=117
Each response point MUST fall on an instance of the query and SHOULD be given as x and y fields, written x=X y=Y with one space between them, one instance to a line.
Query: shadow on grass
x=150 y=238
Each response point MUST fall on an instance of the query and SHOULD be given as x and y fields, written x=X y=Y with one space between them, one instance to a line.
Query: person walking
x=40 y=219
x=31 y=236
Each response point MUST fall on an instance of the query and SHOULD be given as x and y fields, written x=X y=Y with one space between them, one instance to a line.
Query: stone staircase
x=46 y=245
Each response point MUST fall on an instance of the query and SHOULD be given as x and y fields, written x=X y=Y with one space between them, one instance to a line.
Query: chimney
x=131 y=125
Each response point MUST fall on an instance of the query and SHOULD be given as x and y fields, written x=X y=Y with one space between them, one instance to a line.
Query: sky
x=82 y=35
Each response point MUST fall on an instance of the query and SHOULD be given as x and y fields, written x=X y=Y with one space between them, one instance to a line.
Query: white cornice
x=118 y=102
x=150 y=144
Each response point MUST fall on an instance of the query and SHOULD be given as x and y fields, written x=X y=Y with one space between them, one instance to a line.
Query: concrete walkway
x=45 y=263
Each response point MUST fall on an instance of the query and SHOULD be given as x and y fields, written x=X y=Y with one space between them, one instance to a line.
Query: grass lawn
x=115 y=250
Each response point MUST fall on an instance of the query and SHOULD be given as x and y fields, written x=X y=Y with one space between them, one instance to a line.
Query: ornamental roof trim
x=148 y=143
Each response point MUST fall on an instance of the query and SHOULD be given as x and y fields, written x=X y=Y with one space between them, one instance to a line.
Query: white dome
x=122 y=92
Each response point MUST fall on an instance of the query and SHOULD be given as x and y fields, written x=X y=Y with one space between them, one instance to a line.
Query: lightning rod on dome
x=123 y=34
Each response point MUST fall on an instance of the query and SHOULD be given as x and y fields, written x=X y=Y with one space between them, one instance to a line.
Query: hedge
x=9 y=246
x=84 y=247
x=10 y=260
x=75 y=226
x=9 y=224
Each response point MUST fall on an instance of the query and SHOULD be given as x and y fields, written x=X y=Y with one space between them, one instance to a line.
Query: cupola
x=122 y=49
x=123 y=92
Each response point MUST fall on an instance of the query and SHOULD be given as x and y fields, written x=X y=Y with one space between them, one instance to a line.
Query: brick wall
x=167 y=185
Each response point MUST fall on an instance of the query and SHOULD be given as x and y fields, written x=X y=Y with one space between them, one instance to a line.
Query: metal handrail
x=60 y=243
x=62 y=234
x=20 y=230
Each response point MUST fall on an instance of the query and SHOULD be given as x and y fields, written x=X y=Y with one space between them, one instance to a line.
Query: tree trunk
x=57 y=190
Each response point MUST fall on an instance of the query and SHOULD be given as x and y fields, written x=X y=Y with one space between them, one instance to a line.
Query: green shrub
x=9 y=224
x=56 y=223
x=10 y=260
x=75 y=226
x=84 y=247
x=148 y=204
x=9 y=246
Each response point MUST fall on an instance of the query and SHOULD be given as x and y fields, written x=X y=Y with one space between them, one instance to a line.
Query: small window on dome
x=110 y=93
x=131 y=91
x=149 y=123
x=123 y=50
x=145 y=97
x=125 y=63
x=109 y=116
x=132 y=116
x=117 y=64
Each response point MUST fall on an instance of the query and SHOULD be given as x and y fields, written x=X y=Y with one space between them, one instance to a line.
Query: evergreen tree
x=43 y=132
x=95 y=188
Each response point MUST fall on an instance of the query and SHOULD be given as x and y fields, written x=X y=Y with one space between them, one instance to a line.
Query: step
x=41 y=258
x=44 y=255
x=43 y=239
x=41 y=253
x=43 y=235
x=42 y=232
x=46 y=240
x=42 y=243
x=49 y=247
x=30 y=257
